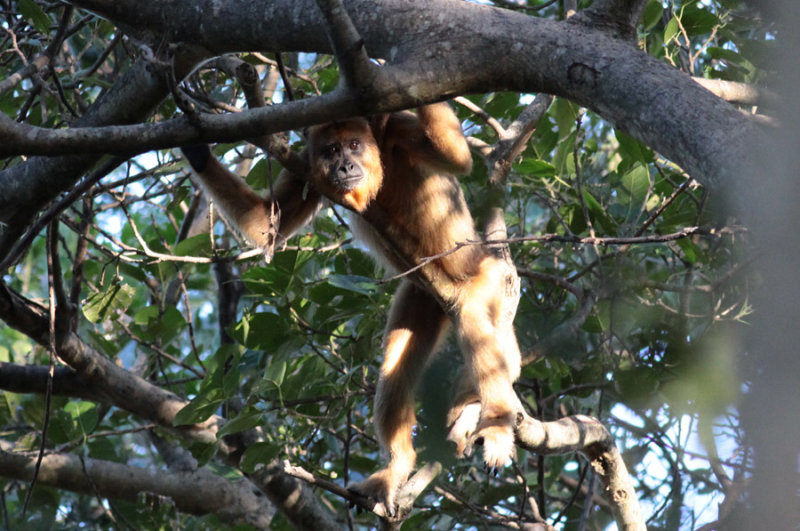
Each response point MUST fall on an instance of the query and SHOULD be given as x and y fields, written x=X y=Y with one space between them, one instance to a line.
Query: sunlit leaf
x=103 y=305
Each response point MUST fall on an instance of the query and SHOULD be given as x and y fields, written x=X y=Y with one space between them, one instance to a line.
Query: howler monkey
x=402 y=166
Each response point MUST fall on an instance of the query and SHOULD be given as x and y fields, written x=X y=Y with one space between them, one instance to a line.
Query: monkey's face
x=345 y=162
x=341 y=162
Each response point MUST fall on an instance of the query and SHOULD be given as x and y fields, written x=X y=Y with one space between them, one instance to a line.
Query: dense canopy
x=635 y=158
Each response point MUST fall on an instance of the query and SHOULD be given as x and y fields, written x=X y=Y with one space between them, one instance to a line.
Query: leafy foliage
x=652 y=358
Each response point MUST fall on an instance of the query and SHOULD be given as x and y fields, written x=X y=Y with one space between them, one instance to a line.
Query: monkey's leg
x=464 y=413
x=416 y=325
x=492 y=361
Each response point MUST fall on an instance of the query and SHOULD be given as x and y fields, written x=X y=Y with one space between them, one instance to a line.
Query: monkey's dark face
x=346 y=162
x=341 y=164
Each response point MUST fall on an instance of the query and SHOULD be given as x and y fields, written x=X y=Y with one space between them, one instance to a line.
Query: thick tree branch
x=355 y=68
x=232 y=501
x=33 y=379
x=588 y=436
x=618 y=17
x=640 y=94
x=124 y=389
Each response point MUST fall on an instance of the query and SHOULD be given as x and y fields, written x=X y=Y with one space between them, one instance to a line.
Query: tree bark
x=435 y=48
x=232 y=501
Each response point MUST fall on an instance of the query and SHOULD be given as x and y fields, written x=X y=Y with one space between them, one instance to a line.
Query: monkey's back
x=427 y=216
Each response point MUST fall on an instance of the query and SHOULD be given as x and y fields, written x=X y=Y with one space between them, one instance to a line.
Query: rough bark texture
x=589 y=437
x=436 y=48
x=232 y=500
x=106 y=381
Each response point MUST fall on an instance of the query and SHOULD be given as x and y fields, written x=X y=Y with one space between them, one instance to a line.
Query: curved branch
x=739 y=93
x=233 y=501
x=588 y=436
x=437 y=49
x=446 y=52
x=126 y=390
x=356 y=69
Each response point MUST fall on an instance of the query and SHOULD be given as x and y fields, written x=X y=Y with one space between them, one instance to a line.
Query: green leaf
x=199 y=409
x=34 y=14
x=731 y=57
x=203 y=452
x=270 y=280
x=690 y=250
x=697 y=20
x=652 y=14
x=591 y=203
x=599 y=216
x=142 y=317
x=61 y=429
x=199 y=245
x=275 y=373
x=636 y=185
x=261 y=331
x=261 y=453
x=564 y=112
x=671 y=30
x=164 y=325
x=84 y=415
x=242 y=422
x=264 y=174
x=501 y=104
x=632 y=151
x=104 y=305
x=531 y=167
x=354 y=283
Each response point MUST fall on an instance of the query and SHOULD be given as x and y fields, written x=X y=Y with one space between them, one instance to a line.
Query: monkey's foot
x=468 y=429
x=381 y=487
x=463 y=421
x=497 y=438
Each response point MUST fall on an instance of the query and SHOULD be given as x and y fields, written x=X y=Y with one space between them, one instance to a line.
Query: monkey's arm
x=254 y=216
x=433 y=137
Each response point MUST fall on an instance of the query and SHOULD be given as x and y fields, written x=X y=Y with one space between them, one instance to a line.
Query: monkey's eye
x=354 y=144
x=330 y=150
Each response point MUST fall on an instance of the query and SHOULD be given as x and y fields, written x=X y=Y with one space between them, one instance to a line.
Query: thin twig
x=593 y=241
x=52 y=257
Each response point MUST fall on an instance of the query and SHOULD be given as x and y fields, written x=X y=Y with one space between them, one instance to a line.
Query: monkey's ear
x=306 y=131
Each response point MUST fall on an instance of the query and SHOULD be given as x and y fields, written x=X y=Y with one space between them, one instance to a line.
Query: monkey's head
x=345 y=162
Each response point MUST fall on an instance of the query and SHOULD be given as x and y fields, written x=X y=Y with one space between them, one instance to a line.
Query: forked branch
x=355 y=68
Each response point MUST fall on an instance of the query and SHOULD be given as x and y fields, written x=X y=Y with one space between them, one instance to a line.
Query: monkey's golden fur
x=403 y=167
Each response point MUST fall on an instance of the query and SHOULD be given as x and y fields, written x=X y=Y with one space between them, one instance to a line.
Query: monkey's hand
x=381 y=487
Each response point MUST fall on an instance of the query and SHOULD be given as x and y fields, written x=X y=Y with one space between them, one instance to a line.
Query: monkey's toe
x=380 y=489
x=463 y=427
x=498 y=445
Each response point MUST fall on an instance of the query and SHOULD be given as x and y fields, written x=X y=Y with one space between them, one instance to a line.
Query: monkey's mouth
x=346 y=182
